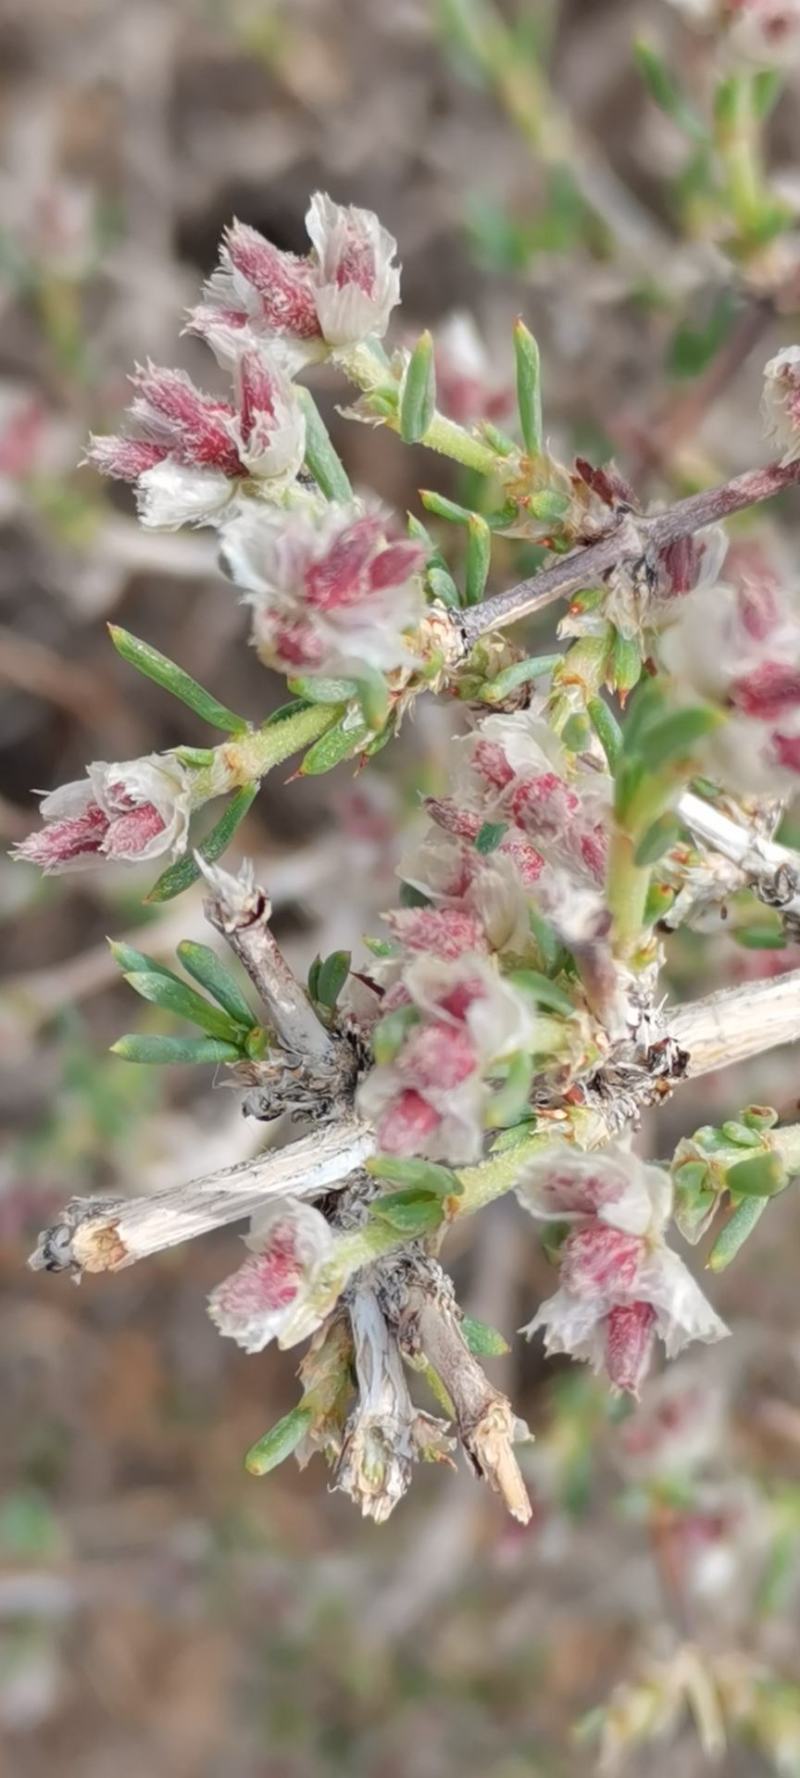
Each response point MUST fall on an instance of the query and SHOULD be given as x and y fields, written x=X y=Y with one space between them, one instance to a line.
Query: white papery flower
x=781 y=401
x=621 y=1286
x=255 y=1303
x=356 y=285
x=131 y=811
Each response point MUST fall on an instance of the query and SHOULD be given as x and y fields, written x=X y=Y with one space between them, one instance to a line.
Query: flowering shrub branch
x=508 y=1028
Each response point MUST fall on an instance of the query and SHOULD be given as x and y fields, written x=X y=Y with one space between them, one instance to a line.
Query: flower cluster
x=342 y=292
x=740 y=649
x=330 y=592
x=191 y=457
x=449 y=1025
x=621 y=1286
x=128 y=813
x=518 y=826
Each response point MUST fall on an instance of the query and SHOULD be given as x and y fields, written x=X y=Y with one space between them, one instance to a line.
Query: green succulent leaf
x=180 y=876
x=137 y=1047
x=279 y=1443
x=204 y=966
x=172 y=678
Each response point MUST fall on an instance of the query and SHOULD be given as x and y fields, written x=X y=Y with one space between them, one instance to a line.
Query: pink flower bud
x=407 y=1123
x=328 y=594
x=195 y=453
x=442 y=932
x=252 y=1305
x=781 y=403
x=342 y=292
x=768 y=692
x=600 y=1261
x=437 y=1056
x=630 y=1341
x=137 y=810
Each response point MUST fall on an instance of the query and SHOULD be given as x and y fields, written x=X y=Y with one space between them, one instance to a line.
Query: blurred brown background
x=160 y=1612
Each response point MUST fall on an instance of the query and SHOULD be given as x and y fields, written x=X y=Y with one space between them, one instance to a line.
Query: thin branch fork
x=241 y=911
x=635 y=536
x=104 y=1234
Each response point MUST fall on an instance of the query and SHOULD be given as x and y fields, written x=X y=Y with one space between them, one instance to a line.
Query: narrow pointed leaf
x=445 y=509
x=529 y=387
x=482 y=1340
x=136 y=1047
x=338 y=743
x=133 y=962
x=606 y=728
x=322 y=459
x=172 y=678
x=418 y=397
x=427 y=1176
x=332 y=976
x=176 y=997
x=479 y=554
x=180 y=876
x=410 y=1212
x=279 y=1442
x=204 y=965
x=732 y=1238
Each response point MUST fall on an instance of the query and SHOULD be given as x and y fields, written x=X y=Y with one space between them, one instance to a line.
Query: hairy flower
x=254 y=1303
x=741 y=648
x=191 y=455
x=328 y=591
x=131 y=811
x=341 y=293
x=464 y=1021
x=781 y=401
x=621 y=1287
x=764 y=32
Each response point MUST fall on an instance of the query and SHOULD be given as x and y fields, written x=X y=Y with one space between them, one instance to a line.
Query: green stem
x=251 y=755
x=739 y=153
x=365 y=369
x=627 y=888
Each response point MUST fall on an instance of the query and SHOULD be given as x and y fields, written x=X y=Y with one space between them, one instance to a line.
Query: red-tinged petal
x=255 y=390
x=527 y=861
x=395 y=565
x=441 y=932
x=132 y=833
x=768 y=691
x=452 y=819
x=491 y=764
x=630 y=1338
x=437 y=1057
x=294 y=645
x=283 y=281
x=406 y=1124
x=544 y=805
x=786 y=749
x=598 y=1259
x=124 y=458
x=340 y=577
x=60 y=843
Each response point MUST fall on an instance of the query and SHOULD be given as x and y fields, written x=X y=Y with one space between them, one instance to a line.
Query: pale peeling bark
x=104 y=1234
x=487 y=1426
